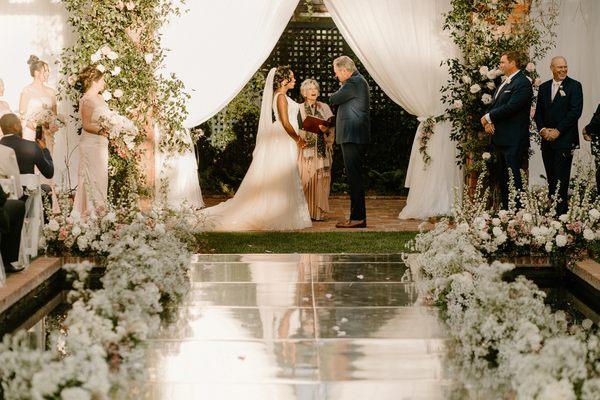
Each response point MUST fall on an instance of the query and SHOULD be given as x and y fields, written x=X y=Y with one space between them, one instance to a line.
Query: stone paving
x=382 y=214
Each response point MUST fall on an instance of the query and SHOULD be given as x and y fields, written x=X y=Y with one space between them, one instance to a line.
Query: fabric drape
x=217 y=46
x=401 y=44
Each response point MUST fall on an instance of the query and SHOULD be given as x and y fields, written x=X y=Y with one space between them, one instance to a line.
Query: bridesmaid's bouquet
x=46 y=119
x=122 y=132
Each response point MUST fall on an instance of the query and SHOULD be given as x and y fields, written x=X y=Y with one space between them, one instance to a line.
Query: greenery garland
x=482 y=30
x=122 y=39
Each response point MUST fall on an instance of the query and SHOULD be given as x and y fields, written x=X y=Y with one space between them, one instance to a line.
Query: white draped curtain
x=217 y=46
x=38 y=27
x=577 y=31
x=401 y=44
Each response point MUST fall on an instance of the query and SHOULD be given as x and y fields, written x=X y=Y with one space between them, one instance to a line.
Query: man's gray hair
x=556 y=58
x=344 y=62
x=307 y=84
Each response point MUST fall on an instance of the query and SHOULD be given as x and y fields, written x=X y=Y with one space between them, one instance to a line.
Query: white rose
x=112 y=55
x=148 y=58
x=491 y=85
x=104 y=50
x=483 y=70
x=594 y=214
x=101 y=68
x=530 y=67
x=75 y=216
x=82 y=242
x=486 y=99
x=458 y=104
x=502 y=213
x=116 y=71
x=563 y=218
x=588 y=234
x=561 y=240
x=587 y=324
x=548 y=247
x=106 y=95
x=463 y=227
x=118 y=93
x=493 y=74
x=527 y=217
x=501 y=238
x=496 y=221
x=556 y=225
x=484 y=235
x=475 y=88
x=537 y=82
x=130 y=5
x=497 y=231
x=53 y=225
x=76 y=231
x=466 y=79
x=95 y=57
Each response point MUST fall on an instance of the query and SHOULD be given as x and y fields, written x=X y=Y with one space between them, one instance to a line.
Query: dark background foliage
x=310 y=48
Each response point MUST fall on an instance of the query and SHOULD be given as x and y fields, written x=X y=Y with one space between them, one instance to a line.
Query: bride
x=270 y=196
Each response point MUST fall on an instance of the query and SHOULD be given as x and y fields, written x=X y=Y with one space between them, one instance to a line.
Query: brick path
x=382 y=214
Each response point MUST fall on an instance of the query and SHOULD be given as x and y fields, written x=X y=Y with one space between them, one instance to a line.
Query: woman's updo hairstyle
x=281 y=74
x=88 y=76
x=35 y=64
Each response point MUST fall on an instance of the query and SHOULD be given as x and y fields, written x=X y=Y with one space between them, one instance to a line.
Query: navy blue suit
x=593 y=129
x=30 y=155
x=561 y=113
x=353 y=133
x=509 y=112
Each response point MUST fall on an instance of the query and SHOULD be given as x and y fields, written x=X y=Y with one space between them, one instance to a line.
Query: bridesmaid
x=92 y=176
x=36 y=97
x=315 y=160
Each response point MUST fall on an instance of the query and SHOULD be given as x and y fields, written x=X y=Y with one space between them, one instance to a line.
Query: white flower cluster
x=99 y=354
x=534 y=227
x=507 y=339
x=120 y=129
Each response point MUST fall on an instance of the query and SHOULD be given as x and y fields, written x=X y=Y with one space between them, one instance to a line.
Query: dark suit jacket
x=510 y=110
x=562 y=113
x=593 y=128
x=353 y=121
x=29 y=155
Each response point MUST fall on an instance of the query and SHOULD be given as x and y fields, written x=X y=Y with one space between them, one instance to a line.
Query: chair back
x=9 y=185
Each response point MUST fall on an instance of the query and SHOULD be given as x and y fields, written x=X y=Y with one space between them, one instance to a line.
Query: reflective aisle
x=272 y=326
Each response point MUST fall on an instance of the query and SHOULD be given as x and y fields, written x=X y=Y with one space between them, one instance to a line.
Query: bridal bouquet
x=122 y=132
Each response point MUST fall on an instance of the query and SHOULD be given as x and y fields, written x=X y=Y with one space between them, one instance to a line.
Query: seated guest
x=315 y=159
x=29 y=154
x=592 y=133
x=12 y=214
x=9 y=167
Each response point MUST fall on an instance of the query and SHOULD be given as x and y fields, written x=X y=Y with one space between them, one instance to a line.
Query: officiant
x=316 y=158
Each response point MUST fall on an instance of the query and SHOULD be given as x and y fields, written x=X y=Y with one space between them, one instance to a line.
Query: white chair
x=34 y=219
x=9 y=185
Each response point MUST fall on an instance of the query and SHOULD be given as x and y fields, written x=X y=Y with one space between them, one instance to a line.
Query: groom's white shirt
x=10 y=167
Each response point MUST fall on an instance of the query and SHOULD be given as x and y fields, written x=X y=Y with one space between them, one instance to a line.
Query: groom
x=353 y=132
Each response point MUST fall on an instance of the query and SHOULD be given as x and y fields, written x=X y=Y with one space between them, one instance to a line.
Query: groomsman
x=592 y=133
x=559 y=106
x=508 y=121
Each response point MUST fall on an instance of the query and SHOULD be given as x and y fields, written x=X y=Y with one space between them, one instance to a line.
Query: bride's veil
x=265 y=123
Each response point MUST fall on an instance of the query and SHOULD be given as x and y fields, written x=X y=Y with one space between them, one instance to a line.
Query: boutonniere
x=505 y=80
x=561 y=91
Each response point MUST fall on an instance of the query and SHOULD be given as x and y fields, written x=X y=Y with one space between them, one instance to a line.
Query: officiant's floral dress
x=315 y=162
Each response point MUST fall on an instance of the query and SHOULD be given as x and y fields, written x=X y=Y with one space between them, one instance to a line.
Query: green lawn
x=309 y=242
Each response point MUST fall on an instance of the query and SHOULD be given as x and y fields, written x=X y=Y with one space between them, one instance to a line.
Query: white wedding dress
x=270 y=197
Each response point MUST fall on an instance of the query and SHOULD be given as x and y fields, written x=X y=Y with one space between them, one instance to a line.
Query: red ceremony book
x=311 y=124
